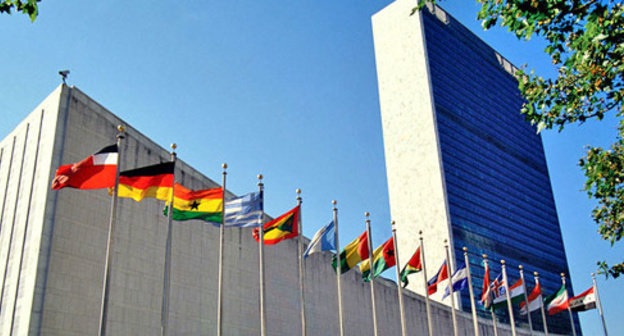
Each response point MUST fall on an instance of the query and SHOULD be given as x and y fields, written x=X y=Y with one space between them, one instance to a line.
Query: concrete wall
x=61 y=277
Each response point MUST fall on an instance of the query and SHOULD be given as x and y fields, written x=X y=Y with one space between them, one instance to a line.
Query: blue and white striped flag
x=459 y=280
x=323 y=240
x=244 y=211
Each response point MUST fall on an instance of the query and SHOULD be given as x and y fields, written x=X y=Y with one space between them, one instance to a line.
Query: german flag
x=352 y=254
x=154 y=181
x=204 y=204
x=283 y=227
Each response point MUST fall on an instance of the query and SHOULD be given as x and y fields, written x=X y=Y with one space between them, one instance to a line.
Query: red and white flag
x=535 y=300
x=584 y=301
x=95 y=172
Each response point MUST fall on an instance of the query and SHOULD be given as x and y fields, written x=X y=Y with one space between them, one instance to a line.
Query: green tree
x=29 y=7
x=585 y=40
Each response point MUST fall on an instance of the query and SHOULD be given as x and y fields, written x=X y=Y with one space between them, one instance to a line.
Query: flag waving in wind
x=535 y=300
x=95 y=172
x=155 y=181
x=432 y=284
x=383 y=258
x=459 y=280
x=414 y=265
x=244 y=211
x=323 y=240
x=281 y=228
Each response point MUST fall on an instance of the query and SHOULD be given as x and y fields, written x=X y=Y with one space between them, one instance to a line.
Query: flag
x=153 y=181
x=494 y=291
x=205 y=204
x=95 y=172
x=584 y=301
x=323 y=240
x=383 y=258
x=281 y=228
x=557 y=302
x=459 y=280
x=535 y=300
x=353 y=253
x=486 y=293
x=432 y=284
x=414 y=265
x=516 y=293
x=244 y=211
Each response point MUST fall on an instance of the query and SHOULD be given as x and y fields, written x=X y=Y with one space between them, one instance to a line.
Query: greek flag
x=244 y=211
x=323 y=240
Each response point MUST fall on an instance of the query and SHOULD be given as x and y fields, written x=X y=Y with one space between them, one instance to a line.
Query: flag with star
x=383 y=258
x=281 y=228
x=206 y=205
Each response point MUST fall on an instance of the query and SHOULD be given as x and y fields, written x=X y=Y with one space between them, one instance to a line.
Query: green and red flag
x=557 y=302
x=414 y=265
x=383 y=258
x=352 y=254
x=281 y=228
x=204 y=204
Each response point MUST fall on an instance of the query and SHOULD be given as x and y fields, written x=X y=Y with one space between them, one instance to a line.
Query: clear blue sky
x=283 y=88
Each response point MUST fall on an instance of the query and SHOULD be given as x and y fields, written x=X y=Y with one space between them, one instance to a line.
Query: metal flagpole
x=109 y=241
x=526 y=299
x=301 y=267
x=398 y=280
x=475 y=322
x=535 y=274
x=449 y=270
x=338 y=270
x=563 y=281
x=164 y=318
x=509 y=306
x=369 y=239
x=485 y=263
x=261 y=268
x=604 y=324
x=221 y=243
x=424 y=268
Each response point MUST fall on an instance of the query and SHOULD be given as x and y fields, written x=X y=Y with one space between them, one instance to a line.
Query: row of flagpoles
x=101 y=170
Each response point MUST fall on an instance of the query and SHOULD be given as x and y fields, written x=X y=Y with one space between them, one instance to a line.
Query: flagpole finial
x=520 y=267
x=174 y=146
x=334 y=202
x=484 y=256
x=224 y=165
x=465 y=249
x=535 y=273
x=260 y=177
x=503 y=261
x=562 y=275
x=366 y=214
x=298 y=191
x=120 y=129
x=393 y=226
x=593 y=274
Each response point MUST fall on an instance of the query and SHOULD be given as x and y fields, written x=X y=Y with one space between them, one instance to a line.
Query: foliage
x=29 y=7
x=585 y=41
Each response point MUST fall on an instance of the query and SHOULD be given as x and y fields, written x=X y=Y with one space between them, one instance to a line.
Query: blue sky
x=286 y=89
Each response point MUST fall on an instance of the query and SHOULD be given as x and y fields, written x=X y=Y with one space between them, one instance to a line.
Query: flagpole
x=485 y=263
x=604 y=324
x=221 y=243
x=526 y=299
x=301 y=267
x=475 y=322
x=424 y=267
x=449 y=269
x=509 y=306
x=109 y=240
x=164 y=318
x=338 y=270
x=261 y=261
x=369 y=239
x=535 y=274
x=563 y=281
x=398 y=280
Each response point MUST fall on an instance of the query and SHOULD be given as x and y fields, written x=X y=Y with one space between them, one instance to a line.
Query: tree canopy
x=585 y=41
x=29 y=7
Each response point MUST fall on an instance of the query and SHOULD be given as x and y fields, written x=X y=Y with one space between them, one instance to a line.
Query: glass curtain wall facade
x=498 y=189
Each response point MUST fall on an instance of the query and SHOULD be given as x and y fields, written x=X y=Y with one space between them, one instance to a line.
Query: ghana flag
x=383 y=258
x=414 y=265
x=205 y=204
x=281 y=228
x=352 y=254
x=153 y=181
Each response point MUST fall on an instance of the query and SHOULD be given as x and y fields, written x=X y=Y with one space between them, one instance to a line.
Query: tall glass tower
x=463 y=165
